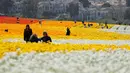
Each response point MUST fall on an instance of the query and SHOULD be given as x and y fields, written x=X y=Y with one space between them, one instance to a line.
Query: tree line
x=30 y=7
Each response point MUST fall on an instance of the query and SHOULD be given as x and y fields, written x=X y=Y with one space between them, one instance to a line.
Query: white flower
x=117 y=61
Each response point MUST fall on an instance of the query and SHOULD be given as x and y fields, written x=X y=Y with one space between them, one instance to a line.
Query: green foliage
x=63 y=17
x=106 y=5
x=85 y=3
x=128 y=3
x=5 y=6
x=48 y=15
x=127 y=14
x=30 y=8
x=73 y=9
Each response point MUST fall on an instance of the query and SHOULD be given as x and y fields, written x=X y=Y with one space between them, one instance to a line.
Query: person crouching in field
x=27 y=33
x=34 y=39
x=67 y=32
x=46 y=38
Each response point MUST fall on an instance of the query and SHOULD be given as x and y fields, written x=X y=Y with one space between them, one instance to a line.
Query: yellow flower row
x=57 y=30
x=42 y=47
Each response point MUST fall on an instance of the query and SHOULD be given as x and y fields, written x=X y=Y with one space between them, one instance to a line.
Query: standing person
x=85 y=25
x=40 y=22
x=27 y=33
x=67 y=31
x=75 y=21
x=46 y=38
x=18 y=20
x=106 y=25
x=83 y=22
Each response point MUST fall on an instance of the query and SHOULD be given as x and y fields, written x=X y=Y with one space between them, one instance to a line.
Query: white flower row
x=122 y=29
x=74 y=62
x=78 y=41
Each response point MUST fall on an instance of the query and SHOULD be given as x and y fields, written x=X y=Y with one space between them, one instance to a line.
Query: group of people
x=89 y=25
x=30 y=37
x=102 y=26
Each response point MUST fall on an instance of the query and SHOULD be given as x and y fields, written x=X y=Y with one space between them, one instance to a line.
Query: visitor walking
x=27 y=33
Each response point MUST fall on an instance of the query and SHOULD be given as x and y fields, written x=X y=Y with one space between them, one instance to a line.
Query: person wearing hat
x=27 y=33
x=46 y=38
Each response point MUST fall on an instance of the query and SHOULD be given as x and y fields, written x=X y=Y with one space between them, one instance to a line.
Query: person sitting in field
x=34 y=38
x=89 y=25
x=46 y=38
x=85 y=25
x=27 y=33
x=67 y=31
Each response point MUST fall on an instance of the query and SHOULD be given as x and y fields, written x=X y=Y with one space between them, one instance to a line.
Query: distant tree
x=5 y=6
x=49 y=14
x=128 y=3
x=106 y=5
x=30 y=8
x=63 y=17
x=127 y=14
x=73 y=9
x=85 y=3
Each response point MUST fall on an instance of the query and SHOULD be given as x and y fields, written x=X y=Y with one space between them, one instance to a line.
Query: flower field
x=73 y=62
x=86 y=50
x=57 y=30
x=21 y=48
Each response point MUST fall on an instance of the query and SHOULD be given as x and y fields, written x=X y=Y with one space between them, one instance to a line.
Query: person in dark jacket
x=27 y=33
x=67 y=31
x=34 y=38
x=46 y=38
x=83 y=22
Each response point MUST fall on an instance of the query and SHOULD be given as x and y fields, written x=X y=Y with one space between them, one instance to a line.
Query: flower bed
x=21 y=48
x=58 y=31
x=117 y=61
x=105 y=52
